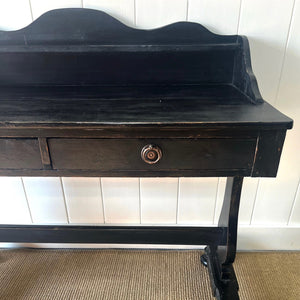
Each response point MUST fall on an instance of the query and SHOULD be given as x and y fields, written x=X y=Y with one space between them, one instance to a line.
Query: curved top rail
x=79 y=26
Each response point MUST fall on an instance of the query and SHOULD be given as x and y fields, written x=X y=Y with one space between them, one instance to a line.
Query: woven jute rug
x=140 y=274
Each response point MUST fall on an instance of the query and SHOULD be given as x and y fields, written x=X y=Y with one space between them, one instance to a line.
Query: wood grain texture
x=205 y=106
x=20 y=154
x=125 y=154
x=45 y=155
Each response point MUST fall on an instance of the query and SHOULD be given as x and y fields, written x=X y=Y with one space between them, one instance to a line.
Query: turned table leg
x=219 y=258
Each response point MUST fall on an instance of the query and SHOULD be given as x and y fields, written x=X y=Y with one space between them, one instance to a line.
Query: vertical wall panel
x=39 y=7
x=157 y=13
x=196 y=200
x=276 y=196
x=83 y=199
x=45 y=199
x=249 y=191
x=14 y=14
x=271 y=203
x=259 y=21
x=221 y=17
x=121 y=200
x=220 y=198
x=123 y=10
x=159 y=200
x=266 y=24
x=289 y=102
x=13 y=204
x=295 y=212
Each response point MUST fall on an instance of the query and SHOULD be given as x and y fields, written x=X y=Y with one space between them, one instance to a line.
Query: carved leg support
x=219 y=258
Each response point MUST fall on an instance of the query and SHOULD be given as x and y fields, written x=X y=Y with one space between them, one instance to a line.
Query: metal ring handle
x=151 y=154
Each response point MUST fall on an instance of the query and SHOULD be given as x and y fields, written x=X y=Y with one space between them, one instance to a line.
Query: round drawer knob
x=151 y=154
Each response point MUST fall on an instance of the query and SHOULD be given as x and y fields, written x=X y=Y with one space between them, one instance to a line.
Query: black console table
x=81 y=94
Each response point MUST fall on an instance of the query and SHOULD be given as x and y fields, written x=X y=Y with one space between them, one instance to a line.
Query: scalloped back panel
x=88 y=47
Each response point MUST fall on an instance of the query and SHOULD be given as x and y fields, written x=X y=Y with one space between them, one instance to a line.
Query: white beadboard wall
x=270 y=208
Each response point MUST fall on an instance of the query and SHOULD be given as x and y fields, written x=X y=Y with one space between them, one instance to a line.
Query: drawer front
x=176 y=154
x=20 y=154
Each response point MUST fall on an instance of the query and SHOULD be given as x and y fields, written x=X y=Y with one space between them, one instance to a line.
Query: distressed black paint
x=81 y=94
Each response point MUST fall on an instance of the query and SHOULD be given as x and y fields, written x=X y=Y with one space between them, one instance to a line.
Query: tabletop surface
x=217 y=105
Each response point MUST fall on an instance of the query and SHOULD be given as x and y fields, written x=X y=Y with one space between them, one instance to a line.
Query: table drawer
x=177 y=154
x=20 y=154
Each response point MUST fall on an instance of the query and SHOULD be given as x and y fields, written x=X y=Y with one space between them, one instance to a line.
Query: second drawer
x=177 y=154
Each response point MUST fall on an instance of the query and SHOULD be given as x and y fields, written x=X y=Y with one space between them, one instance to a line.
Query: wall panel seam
x=64 y=199
x=216 y=200
x=27 y=202
x=134 y=12
x=284 y=52
x=30 y=7
x=254 y=202
x=140 y=202
x=177 y=199
x=103 y=205
x=294 y=203
x=239 y=18
x=187 y=10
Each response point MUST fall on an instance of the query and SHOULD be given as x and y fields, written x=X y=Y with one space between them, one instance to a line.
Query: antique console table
x=81 y=94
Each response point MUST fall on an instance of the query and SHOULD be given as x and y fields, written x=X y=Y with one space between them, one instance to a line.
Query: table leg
x=219 y=258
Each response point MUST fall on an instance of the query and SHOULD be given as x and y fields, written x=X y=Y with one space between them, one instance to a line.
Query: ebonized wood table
x=81 y=94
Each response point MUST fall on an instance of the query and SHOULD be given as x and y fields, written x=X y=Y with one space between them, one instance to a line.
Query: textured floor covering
x=139 y=275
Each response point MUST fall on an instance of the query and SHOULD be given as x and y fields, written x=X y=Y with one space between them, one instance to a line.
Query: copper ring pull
x=151 y=154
